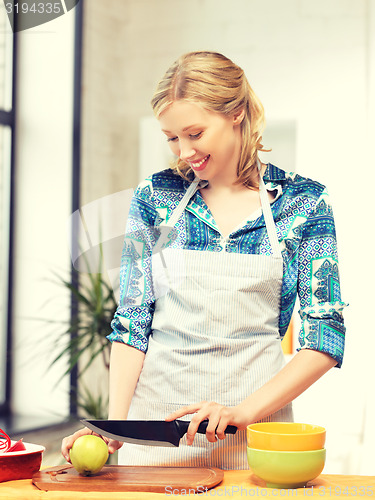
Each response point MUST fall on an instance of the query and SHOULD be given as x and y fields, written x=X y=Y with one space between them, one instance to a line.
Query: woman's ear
x=238 y=117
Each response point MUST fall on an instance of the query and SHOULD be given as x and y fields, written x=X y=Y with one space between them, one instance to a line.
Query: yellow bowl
x=286 y=469
x=285 y=436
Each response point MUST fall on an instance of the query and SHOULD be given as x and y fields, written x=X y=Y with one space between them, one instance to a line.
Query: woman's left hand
x=219 y=417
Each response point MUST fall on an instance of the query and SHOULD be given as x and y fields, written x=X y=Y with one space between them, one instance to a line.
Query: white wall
x=360 y=318
x=43 y=204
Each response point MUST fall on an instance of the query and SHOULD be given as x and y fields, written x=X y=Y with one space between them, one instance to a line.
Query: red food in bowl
x=17 y=446
x=4 y=441
x=21 y=464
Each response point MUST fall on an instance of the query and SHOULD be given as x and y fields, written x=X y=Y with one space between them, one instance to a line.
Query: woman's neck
x=226 y=184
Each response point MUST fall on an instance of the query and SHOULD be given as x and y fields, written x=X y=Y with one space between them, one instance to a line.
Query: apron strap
x=168 y=224
x=182 y=205
x=268 y=217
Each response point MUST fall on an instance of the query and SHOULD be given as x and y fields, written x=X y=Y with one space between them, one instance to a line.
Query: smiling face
x=209 y=142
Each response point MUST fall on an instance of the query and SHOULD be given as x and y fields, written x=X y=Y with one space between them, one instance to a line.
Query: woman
x=217 y=249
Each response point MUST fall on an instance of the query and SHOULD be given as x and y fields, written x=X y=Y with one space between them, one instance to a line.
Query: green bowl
x=286 y=469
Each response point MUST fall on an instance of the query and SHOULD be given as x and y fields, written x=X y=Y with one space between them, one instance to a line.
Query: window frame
x=8 y=119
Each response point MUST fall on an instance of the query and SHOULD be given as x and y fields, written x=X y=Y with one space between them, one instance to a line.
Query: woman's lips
x=199 y=165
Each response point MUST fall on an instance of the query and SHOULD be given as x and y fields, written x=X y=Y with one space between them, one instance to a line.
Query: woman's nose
x=186 y=151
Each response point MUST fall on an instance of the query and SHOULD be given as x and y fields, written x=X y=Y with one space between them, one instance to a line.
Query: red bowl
x=21 y=464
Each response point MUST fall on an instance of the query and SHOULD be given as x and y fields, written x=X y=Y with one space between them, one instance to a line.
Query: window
x=7 y=41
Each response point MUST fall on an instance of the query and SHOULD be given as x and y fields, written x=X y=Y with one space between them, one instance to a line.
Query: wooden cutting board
x=130 y=478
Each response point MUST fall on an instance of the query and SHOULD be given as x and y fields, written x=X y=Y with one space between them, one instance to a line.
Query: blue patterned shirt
x=306 y=232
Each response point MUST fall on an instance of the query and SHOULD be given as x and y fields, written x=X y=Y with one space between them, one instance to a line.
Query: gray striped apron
x=215 y=337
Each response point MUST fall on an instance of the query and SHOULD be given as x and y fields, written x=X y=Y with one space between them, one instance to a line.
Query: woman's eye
x=172 y=139
x=196 y=136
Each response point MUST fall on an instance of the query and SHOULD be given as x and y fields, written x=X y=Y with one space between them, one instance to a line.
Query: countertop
x=236 y=484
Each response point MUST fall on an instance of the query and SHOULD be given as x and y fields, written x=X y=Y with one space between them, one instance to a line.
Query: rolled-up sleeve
x=321 y=311
x=131 y=323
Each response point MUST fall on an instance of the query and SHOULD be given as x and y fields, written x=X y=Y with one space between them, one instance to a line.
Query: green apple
x=88 y=454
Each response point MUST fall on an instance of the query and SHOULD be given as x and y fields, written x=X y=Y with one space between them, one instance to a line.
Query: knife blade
x=147 y=432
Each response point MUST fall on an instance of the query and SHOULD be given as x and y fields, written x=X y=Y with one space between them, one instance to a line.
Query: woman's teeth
x=199 y=163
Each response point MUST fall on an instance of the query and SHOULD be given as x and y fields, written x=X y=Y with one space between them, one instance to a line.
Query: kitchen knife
x=147 y=432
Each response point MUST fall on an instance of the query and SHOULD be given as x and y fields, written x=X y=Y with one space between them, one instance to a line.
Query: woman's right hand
x=68 y=441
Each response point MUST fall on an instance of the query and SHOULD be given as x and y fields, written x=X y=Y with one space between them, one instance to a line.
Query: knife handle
x=231 y=429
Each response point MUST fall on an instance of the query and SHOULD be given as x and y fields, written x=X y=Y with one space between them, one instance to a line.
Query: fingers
x=68 y=441
x=185 y=410
x=218 y=417
x=219 y=421
x=114 y=446
x=225 y=419
x=210 y=430
x=202 y=411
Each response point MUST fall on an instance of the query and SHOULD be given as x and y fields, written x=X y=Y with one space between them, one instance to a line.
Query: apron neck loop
x=266 y=208
x=268 y=217
x=182 y=204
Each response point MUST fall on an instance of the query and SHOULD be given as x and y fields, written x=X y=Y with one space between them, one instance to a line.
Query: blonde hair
x=214 y=82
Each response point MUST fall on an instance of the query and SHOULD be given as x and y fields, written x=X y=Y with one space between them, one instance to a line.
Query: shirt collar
x=274 y=174
x=201 y=184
